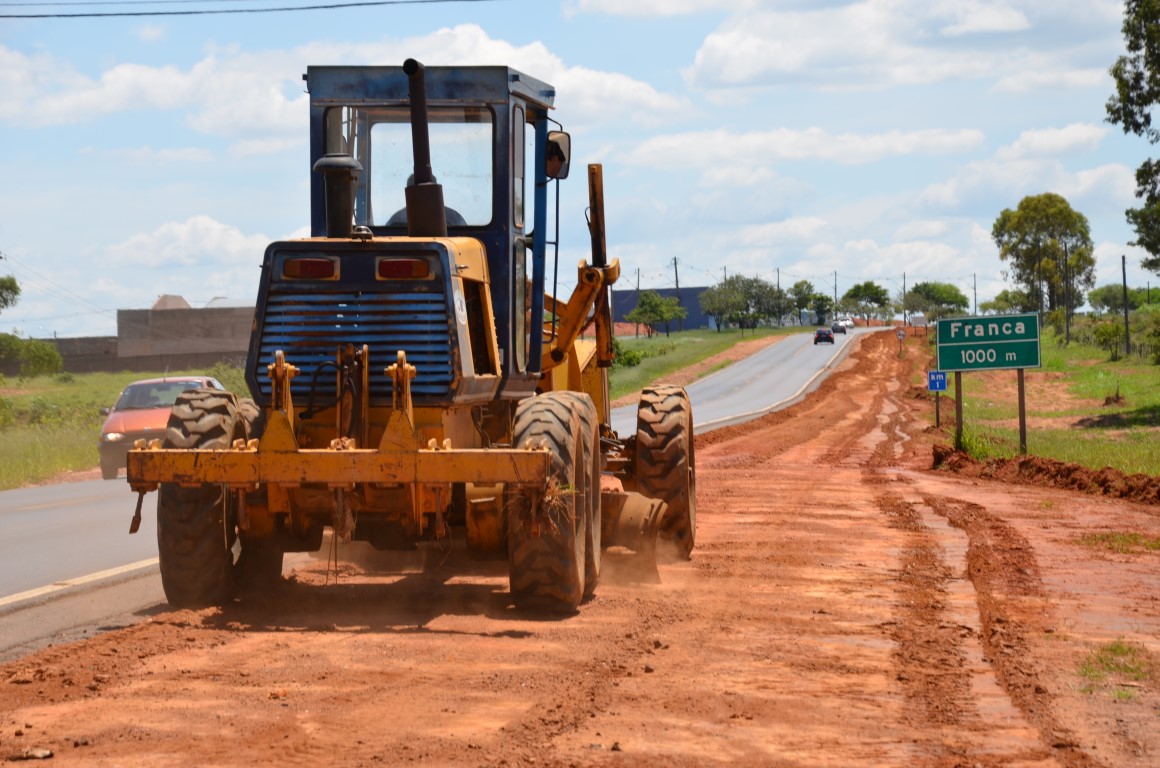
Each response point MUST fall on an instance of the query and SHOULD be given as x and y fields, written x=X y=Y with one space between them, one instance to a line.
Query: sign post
x=936 y=381
x=996 y=342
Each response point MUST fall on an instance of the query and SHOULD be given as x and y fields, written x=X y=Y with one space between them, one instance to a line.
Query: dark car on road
x=823 y=334
x=142 y=411
x=838 y=327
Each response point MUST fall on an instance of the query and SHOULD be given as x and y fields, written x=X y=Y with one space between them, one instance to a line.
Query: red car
x=142 y=411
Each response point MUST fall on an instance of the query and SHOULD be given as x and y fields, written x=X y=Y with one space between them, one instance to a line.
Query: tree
x=935 y=300
x=867 y=299
x=9 y=291
x=721 y=301
x=1110 y=298
x=1007 y=302
x=1049 y=247
x=801 y=293
x=1137 y=78
x=653 y=309
x=770 y=301
x=821 y=304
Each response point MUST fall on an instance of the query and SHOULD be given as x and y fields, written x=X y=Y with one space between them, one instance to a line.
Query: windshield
x=461 y=160
x=162 y=394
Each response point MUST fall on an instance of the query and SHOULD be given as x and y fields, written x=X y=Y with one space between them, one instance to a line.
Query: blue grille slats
x=309 y=328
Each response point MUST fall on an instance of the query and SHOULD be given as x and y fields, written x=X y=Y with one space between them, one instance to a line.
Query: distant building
x=624 y=301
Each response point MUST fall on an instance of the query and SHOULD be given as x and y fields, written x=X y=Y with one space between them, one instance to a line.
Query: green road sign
x=988 y=343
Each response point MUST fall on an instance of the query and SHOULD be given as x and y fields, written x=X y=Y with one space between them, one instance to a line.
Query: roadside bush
x=7 y=413
x=39 y=358
x=40 y=411
x=1109 y=336
x=32 y=356
x=231 y=376
x=624 y=358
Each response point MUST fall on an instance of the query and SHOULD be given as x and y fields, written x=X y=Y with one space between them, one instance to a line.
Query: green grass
x=1120 y=435
x=1115 y=663
x=49 y=424
x=30 y=455
x=663 y=355
x=1122 y=543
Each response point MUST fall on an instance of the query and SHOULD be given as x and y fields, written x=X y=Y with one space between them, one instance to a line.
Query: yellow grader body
x=399 y=392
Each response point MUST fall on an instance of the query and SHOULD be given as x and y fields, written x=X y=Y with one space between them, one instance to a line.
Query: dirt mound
x=1050 y=473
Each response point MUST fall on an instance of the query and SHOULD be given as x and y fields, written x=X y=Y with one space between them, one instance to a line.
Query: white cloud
x=257 y=98
x=972 y=16
x=872 y=45
x=151 y=33
x=920 y=230
x=1047 y=75
x=777 y=232
x=153 y=157
x=714 y=150
x=1111 y=185
x=196 y=242
x=1053 y=142
x=651 y=7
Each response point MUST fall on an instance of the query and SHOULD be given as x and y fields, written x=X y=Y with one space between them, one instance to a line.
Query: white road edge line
x=78 y=581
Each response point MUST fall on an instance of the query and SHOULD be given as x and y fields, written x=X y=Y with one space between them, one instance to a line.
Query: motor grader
x=411 y=381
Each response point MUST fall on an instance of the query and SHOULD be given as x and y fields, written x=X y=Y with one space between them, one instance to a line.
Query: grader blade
x=632 y=521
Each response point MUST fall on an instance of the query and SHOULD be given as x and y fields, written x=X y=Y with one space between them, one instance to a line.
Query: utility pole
x=636 y=326
x=975 y=290
x=778 y=277
x=677 y=280
x=1127 y=333
x=1066 y=299
x=725 y=271
x=904 y=319
x=835 y=289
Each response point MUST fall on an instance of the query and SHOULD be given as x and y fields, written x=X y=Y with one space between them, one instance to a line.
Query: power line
x=206 y=12
x=119 y=2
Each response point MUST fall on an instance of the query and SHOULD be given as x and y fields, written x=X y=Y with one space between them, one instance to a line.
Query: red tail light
x=310 y=269
x=403 y=269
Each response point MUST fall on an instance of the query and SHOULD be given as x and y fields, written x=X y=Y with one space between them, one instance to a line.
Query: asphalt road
x=777 y=376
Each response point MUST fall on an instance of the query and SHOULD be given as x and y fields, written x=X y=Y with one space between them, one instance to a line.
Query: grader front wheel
x=665 y=465
x=588 y=488
x=196 y=526
x=547 y=533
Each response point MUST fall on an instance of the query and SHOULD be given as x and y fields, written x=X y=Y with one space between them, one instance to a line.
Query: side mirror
x=559 y=154
x=106 y=411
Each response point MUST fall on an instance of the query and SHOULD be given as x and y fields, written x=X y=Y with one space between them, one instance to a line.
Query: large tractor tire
x=252 y=416
x=260 y=564
x=665 y=464
x=197 y=527
x=546 y=530
x=589 y=486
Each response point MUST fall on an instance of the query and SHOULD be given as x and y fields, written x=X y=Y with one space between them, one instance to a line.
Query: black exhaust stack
x=426 y=214
x=339 y=171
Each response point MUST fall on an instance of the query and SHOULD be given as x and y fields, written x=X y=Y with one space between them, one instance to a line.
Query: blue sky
x=830 y=141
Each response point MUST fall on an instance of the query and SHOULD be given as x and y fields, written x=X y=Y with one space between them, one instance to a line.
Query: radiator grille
x=309 y=328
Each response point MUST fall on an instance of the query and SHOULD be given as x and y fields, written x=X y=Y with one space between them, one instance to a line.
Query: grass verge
x=50 y=424
x=662 y=355
x=1080 y=408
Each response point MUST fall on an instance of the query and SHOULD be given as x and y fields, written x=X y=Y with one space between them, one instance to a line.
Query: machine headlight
x=112 y=437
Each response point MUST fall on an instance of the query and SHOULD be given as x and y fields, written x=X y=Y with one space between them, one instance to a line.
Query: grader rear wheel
x=665 y=464
x=589 y=486
x=196 y=527
x=546 y=530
